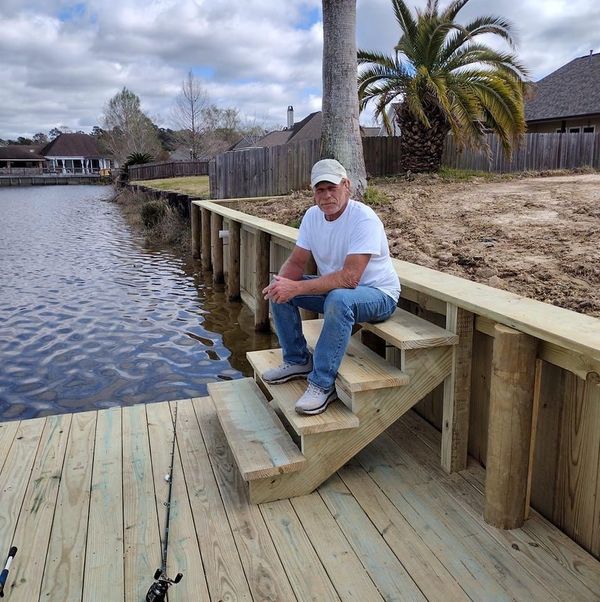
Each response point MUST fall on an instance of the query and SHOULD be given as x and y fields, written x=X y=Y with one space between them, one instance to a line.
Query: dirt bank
x=535 y=236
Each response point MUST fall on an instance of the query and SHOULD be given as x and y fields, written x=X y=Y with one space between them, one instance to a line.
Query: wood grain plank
x=407 y=331
x=361 y=369
x=222 y=565
x=103 y=574
x=259 y=442
x=35 y=521
x=265 y=574
x=304 y=569
x=141 y=543
x=183 y=550
x=15 y=475
x=8 y=431
x=546 y=552
x=337 y=416
x=347 y=573
x=463 y=542
x=63 y=574
x=425 y=569
x=387 y=572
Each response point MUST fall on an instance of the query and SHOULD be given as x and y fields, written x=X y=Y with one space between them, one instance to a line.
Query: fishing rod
x=4 y=574
x=158 y=590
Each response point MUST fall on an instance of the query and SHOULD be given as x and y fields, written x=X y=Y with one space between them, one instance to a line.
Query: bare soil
x=534 y=236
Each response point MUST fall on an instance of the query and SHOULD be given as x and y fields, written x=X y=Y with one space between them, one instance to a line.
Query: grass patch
x=449 y=174
x=375 y=197
x=193 y=185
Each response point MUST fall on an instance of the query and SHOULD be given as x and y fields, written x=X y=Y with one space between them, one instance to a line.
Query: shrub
x=153 y=212
x=374 y=197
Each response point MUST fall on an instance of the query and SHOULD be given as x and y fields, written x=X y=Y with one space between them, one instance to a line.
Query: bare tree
x=340 y=138
x=127 y=129
x=187 y=113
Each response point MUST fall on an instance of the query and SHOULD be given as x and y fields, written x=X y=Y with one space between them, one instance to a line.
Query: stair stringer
x=326 y=452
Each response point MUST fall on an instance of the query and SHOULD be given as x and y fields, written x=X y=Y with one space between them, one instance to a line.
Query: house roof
x=19 y=152
x=73 y=145
x=573 y=90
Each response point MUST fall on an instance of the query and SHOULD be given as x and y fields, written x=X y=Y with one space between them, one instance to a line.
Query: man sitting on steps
x=357 y=283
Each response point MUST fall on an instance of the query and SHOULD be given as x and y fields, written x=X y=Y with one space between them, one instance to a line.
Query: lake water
x=91 y=318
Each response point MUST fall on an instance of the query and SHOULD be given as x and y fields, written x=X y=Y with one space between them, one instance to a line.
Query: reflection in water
x=91 y=318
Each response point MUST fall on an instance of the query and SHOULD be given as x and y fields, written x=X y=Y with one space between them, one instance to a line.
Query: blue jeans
x=341 y=309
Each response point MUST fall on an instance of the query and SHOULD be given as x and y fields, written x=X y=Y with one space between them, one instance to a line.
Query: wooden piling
x=216 y=224
x=457 y=391
x=509 y=427
x=196 y=230
x=233 y=269
x=205 y=239
x=261 y=314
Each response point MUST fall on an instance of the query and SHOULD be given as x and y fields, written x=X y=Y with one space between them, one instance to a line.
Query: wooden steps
x=261 y=446
x=337 y=416
x=373 y=394
x=407 y=331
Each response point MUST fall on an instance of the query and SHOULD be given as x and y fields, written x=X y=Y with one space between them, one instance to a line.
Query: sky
x=61 y=60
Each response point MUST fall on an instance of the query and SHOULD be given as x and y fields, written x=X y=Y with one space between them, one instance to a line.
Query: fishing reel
x=158 y=590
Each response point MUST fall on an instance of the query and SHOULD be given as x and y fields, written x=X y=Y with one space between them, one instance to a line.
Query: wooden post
x=233 y=270
x=509 y=427
x=216 y=224
x=261 y=263
x=205 y=239
x=457 y=391
x=196 y=234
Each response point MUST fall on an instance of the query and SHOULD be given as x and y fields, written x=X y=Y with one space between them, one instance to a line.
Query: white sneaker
x=287 y=371
x=315 y=400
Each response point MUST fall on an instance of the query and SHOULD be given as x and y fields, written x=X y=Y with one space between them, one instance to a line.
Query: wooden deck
x=82 y=497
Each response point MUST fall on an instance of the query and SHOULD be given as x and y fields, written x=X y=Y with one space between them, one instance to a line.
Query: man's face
x=332 y=198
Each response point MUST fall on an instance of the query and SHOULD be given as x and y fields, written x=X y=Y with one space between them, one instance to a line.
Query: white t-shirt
x=357 y=230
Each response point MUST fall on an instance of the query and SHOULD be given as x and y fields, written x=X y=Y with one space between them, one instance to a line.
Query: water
x=91 y=318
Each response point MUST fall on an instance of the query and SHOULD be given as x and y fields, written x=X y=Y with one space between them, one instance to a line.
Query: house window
x=589 y=129
x=574 y=130
x=559 y=130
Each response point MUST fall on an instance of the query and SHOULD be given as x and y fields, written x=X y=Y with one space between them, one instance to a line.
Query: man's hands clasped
x=281 y=289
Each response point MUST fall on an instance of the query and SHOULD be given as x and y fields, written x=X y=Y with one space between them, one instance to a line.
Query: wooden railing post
x=457 y=391
x=233 y=270
x=205 y=239
x=261 y=262
x=216 y=224
x=509 y=427
x=196 y=233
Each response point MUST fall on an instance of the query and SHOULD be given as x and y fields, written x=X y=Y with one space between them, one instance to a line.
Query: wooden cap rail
x=560 y=326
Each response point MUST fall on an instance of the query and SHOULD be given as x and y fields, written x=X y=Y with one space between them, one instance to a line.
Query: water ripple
x=91 y=318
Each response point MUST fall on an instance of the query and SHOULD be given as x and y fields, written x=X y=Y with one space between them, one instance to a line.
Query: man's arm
x=283 y=289
x=295 y=265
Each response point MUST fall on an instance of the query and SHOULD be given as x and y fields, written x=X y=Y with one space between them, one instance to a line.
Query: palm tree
x=442 y=79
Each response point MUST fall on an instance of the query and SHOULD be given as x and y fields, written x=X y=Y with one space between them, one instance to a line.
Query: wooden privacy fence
x=168 y=169
x=526 y=399
x=280 y=169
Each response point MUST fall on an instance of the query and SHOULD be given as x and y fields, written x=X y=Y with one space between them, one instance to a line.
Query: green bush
x=374 y=197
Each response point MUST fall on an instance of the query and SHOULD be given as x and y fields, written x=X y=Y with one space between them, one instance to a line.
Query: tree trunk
x=421 y=147
x=340 y=137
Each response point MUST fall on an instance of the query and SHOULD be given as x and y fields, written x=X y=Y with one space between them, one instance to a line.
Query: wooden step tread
x=258 y=440
x=407 y=331
x=336 y=417
x=361 y=368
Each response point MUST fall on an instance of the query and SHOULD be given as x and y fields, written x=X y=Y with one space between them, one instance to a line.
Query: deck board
x=82 y=498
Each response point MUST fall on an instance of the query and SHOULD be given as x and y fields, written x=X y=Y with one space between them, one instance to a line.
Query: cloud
x=62 y=60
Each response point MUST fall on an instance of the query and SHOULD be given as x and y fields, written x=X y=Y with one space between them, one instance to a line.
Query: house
x=75 y=153
x=567 y=100
x=20 y=159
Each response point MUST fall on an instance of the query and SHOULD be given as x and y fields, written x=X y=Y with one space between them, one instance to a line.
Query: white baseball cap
x=327 y=170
